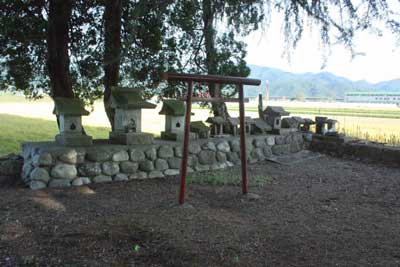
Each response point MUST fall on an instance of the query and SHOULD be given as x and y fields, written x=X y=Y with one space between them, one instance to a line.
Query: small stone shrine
x=273 y=116
x=232 y=124
x=200 y=129
x=305 y=127
x=128 y=104
x=70 y=112
x=331 y=123
x=260 y=126
x=217 y=123
x=320 y=125
x=174 y=111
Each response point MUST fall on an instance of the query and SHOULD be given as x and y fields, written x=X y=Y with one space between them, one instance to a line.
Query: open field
x=379 y=123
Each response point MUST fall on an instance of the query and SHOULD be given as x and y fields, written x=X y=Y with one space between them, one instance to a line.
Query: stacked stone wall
x=356 y=149
x=50 y=165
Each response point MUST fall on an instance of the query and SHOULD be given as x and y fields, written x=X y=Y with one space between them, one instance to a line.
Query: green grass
x=225 y=177
x=15 y=130
x=12 y=98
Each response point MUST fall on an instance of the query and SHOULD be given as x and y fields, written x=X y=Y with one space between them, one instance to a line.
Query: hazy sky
x=380 y=62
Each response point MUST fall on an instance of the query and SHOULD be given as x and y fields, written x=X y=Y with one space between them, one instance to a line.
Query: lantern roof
x=276 y=111
x=129 y=98
x=69 y=106
x=173 y=107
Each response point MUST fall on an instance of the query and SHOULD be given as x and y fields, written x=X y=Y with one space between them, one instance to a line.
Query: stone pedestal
x=177 y=136
x=131 y=138
x=73 y=140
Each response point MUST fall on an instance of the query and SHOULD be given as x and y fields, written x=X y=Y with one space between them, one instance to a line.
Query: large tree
x=210 y=32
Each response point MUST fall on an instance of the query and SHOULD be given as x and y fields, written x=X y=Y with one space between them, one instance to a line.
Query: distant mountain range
x=323 y=84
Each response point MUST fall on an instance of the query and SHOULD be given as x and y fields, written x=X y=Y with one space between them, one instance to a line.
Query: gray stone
x=58 y=183
x=221 y=156
x=77 y=182
x=11 y=167
x=178 y=151
x=102 y=179
x=129 y=167
x=98 y=155
x=192 y=160
x=280 y=149
x=279 y=139
x=131 y=138
x=161 y=164
x=295 y=147
x=165 y=152
x=270 y=140
x=194 y=148
x=138 y=175
x=120 y=156
x=85 y=180
x=136 y=155
x=64 y=171
x=267 y=151
x=190 y=170
x=257 y=142
x=81 y=154
x=218 y=166
x=233 y=157
x=69 y=156
x=200 y=168
x=146 y=166
x=235 y=145
x=258 y=154
x=224 y=147
x=209 y=146
x=229 y=164
x=90 y=169
x=207 y=157
x=110 y=168
x=151 y=153
x=36 y=185
x=171 y=172
x=155 y=174
x=288 y=139
x=26 y=171
x=43 y=159
x=174 y=163
x=40 y=174
x=121 y=177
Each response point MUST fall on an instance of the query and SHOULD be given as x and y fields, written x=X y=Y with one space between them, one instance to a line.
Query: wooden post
x=185 y=149
x=243 y=155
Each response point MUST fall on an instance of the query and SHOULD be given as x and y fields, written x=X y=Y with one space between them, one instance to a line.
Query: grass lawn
x=15 y=130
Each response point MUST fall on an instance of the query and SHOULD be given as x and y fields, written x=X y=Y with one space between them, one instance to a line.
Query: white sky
x=381 y=61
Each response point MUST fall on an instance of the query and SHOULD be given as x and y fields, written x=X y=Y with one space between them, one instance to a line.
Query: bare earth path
x=324 y=212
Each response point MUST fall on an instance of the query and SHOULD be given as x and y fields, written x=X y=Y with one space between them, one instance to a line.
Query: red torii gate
x=216 y=79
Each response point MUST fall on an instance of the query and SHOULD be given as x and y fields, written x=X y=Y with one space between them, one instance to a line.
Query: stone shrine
x=69 y=112
x=128 y=104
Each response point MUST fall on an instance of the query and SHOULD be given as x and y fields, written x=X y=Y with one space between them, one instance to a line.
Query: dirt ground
x=323 y=212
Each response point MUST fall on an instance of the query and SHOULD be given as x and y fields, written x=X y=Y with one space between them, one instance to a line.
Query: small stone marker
x=273 y=116
x=69 y=111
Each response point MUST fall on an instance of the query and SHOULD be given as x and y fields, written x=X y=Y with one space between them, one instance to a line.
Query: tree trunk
x=57 y=45
x=219 y=109
x=112 y=52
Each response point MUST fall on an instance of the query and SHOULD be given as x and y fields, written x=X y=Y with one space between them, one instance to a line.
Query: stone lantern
x=174 y=111
x=200 y=129
x=70 y=112
x=320 y=123
x=128 y=104
x=273 y=116
x=331 y=126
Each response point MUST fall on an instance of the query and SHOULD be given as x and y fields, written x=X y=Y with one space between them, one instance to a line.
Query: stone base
x=131 y=138
x=74 y=140
x=177 y=136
